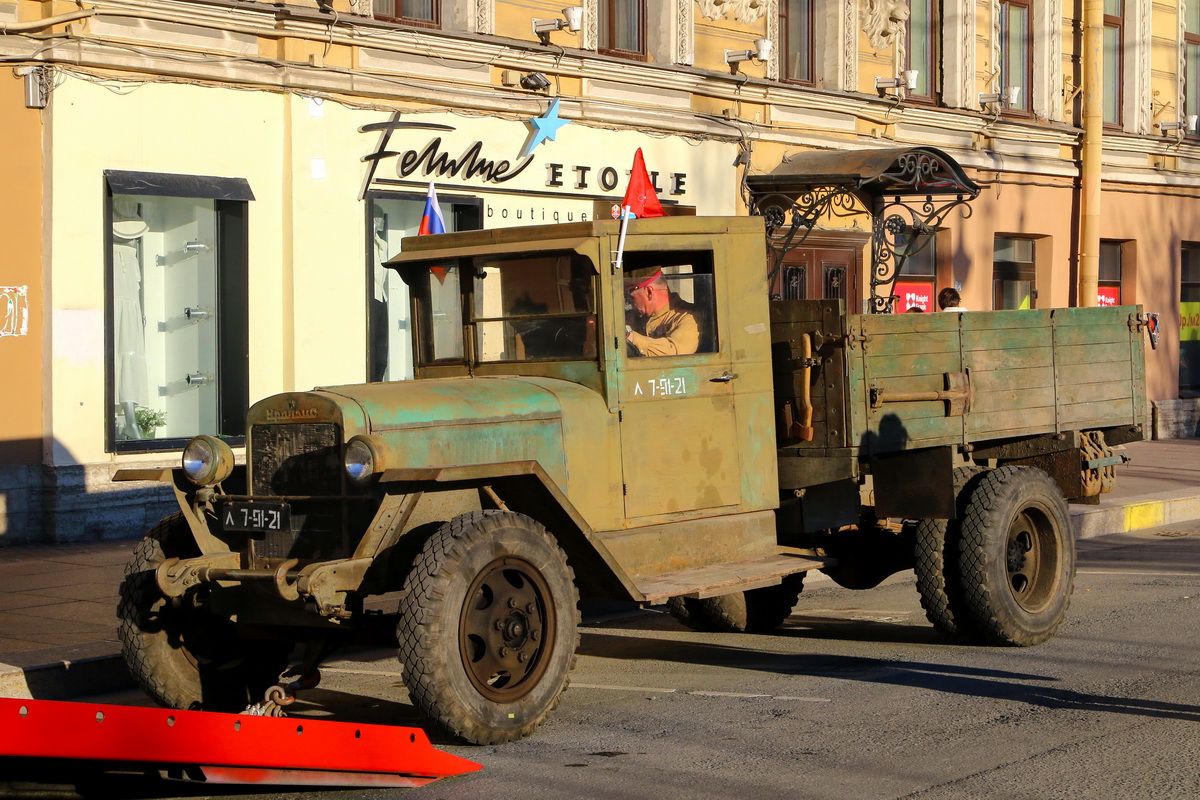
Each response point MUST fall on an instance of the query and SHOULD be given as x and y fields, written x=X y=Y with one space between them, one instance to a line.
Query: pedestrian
x=950 y=300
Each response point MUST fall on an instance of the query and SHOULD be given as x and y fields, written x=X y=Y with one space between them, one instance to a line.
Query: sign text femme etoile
x=433 y=161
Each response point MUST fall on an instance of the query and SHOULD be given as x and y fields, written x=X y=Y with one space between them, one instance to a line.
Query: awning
x=893 y=170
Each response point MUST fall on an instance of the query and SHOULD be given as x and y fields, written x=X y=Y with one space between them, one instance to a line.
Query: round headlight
x=207 y=460
x=361 y=459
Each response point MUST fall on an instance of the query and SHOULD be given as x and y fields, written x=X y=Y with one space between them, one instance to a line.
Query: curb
x=1109 y=518
x=65 y=679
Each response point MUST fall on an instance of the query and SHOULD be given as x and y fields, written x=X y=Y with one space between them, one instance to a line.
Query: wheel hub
x=506 y=626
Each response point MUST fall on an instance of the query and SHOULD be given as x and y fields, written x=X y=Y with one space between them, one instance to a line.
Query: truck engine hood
x=464 y=421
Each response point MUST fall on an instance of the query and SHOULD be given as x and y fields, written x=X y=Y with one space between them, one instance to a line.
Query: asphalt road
x=855 y=697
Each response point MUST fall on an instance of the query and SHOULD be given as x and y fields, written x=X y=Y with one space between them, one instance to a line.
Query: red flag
x=640 y=198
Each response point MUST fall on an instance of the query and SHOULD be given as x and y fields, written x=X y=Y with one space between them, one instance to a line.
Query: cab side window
x=670 y=308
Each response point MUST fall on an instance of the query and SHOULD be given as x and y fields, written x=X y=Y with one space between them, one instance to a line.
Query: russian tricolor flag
x=431 y=220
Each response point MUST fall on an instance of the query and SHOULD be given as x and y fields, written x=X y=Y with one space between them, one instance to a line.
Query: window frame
x=1191 y=57
x=933 y=52
x=785 y=12
x=231 y=205
x=1006 y=270
x=434 y=23
x=1106 y=246
x=1025 y=109
x=1117 y=22
x=606 y=13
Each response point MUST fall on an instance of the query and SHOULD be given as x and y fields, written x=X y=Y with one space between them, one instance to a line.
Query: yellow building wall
x=22 y=289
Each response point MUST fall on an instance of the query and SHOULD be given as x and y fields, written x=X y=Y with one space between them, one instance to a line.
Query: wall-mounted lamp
x=907 y=80
x=1187 y=125
x=760 y=53
x=572 y=20
x=1008 y=98
x=534 y=81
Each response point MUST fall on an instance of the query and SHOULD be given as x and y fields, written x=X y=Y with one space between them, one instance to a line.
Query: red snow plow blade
x=224 y=748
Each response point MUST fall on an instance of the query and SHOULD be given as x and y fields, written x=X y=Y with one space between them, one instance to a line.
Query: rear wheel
x=489 y=624
x=1017 y=557
x=936 y=545
x=180 y=654
x=754 y=611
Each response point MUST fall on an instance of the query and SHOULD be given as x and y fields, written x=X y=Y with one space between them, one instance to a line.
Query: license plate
x=257 y=517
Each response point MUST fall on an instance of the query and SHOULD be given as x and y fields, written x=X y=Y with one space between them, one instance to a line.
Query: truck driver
x=663 y=323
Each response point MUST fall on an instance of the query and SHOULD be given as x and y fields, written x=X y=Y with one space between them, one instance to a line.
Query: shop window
x=1013 y=274
x=796 y=25
x=922 y=52
x=425 y=13
x=916 y=283
x=1114 y=48
x=1016 y=54
x=391 y=217
x=1189 y=318
x=177 y=327
x=622 y=28
x=1191 y=59
x=1109 y=289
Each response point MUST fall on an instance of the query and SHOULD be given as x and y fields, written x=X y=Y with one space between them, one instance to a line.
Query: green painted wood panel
x=1016 y=358
x=1030 y=378
x=1099 y=372
x=1069 y=393
x=1002 y=424
x=924 y=364
x=1108 y=412
x=1007 y=339
x=1091 y=353
x=888 y=345
x=1004 y=320
x=1015 y=400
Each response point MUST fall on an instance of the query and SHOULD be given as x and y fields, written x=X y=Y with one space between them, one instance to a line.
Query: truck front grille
x=300 y=460
x=296 y=459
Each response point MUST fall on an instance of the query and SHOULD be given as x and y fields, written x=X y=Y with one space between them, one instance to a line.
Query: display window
x=391 y=217
x=177 y=309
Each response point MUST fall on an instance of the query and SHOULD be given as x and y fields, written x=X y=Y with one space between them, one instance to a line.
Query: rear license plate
x=256 y=517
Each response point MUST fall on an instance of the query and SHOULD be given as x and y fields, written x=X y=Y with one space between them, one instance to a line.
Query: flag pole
x=621 y=241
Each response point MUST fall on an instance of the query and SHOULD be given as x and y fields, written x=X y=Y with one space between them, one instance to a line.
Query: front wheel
x=489 y=624
x=179 y=653
x=1016 y=557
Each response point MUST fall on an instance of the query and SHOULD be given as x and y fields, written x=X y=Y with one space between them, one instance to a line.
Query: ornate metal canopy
x=906 y=191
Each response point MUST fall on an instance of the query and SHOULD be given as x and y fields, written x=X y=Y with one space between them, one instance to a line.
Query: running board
x=221 y=748
x=738 y=576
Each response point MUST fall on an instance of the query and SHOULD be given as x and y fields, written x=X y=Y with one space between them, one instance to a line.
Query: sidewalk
x=58 y=630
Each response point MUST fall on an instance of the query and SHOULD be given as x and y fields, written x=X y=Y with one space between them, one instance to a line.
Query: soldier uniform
x=670 y=331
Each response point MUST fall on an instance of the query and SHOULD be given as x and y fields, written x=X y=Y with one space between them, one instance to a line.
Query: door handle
x=724 y=377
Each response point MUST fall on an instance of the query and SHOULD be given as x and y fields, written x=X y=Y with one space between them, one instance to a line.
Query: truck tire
x=489 y=625
x=755 y=611
x=1016 y=557
x=936 y=545
x=181 y=655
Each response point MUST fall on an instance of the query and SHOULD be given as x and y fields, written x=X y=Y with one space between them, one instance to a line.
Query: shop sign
x=405 y=154
x=1108 y=296
x=913 y=295
x=1189 y=322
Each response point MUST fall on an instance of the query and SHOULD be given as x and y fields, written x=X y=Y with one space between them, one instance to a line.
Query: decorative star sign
x=544 y=127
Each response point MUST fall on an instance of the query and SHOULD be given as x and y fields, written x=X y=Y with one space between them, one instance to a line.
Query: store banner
x=1189 y=322
x=1108 y=296
x=913 y=295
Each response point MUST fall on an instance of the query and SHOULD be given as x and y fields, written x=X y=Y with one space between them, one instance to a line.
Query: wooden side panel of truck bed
x=1027 y=373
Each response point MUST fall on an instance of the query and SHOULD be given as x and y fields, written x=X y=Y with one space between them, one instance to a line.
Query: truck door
x=677 y=384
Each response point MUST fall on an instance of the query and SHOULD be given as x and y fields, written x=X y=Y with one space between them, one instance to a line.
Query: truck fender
x=526 y=488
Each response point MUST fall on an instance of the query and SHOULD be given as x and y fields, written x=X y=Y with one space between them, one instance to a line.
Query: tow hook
x=283 y=694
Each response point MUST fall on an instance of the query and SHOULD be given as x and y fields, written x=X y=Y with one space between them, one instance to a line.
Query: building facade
x=200 y=193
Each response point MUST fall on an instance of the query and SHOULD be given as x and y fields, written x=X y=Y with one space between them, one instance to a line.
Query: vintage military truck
x=537 y=457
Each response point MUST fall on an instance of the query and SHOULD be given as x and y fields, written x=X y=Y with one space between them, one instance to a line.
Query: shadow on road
x=948 y=678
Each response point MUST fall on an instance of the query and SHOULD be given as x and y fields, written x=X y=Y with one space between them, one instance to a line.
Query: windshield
x=523 y=308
